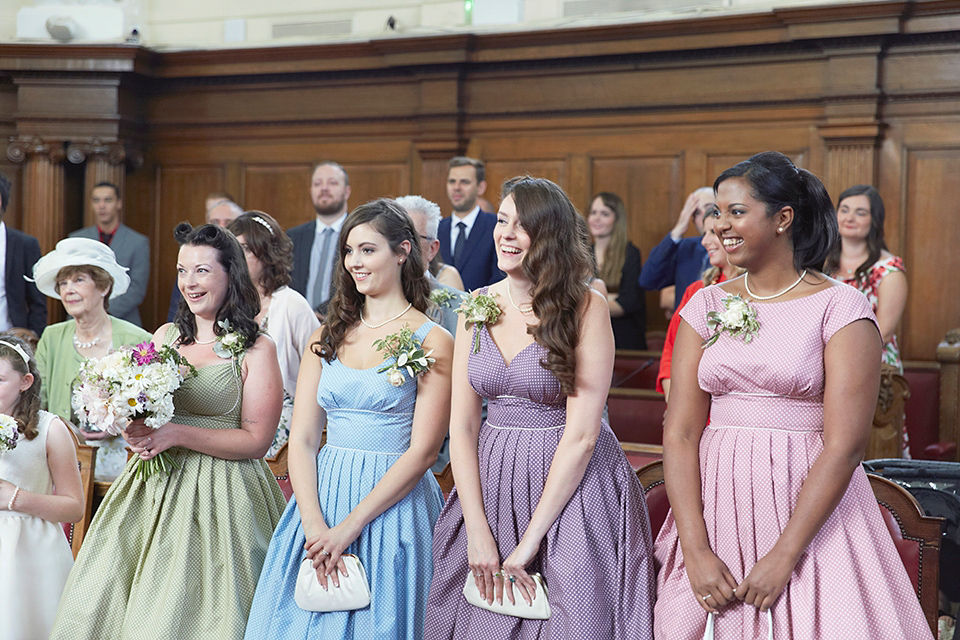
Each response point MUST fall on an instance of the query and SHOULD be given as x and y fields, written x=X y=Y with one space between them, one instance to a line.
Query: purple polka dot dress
x=596 y=559
x=765 y=432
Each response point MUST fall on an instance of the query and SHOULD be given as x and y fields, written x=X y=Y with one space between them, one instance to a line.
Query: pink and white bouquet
x=130 y=383
x=9 y=433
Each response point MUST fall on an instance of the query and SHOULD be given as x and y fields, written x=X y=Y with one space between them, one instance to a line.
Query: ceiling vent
x=312 y=29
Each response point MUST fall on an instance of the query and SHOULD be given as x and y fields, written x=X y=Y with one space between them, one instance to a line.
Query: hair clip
x=263 y=222
x=19 y=350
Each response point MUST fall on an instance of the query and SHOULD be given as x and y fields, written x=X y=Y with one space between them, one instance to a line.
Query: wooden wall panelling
x=432 y=182
x=281 y=190
x=370 y=181
x=499 y=171
x=652 y=190
x=181 y=191
x=933 y=235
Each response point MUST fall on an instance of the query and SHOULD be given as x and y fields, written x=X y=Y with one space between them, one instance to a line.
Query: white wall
x=179 y=24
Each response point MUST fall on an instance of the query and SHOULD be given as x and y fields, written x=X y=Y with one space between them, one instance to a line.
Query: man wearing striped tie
x=315 y=242
x=466 y=237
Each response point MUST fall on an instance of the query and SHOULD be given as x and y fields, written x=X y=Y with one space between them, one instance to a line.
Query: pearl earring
x=780 y=230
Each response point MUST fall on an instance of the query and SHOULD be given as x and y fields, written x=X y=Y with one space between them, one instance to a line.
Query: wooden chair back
x=886 y=436
x=917 y=538
x=651 y=479
x=87 y=460
x=445 y=480
x=278 y=466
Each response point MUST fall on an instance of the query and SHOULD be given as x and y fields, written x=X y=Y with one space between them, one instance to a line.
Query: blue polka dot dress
x=368 y=428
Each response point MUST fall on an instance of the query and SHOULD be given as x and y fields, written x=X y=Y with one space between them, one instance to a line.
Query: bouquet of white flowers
x=9 y=432
x=130 y=383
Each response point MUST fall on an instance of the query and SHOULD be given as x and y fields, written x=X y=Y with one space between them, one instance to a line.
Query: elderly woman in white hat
x=84 y=275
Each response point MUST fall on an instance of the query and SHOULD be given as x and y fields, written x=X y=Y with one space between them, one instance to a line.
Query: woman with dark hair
x=542 y=486
x=179 y=555
x=861 y=259
x=773 y=520
x=285 y=315
x=369 y=492
x=618 y=265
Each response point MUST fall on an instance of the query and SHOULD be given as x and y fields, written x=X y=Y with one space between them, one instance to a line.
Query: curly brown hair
x=27 y=410
x=266 y=240
x=388 y=219
x=558 y=264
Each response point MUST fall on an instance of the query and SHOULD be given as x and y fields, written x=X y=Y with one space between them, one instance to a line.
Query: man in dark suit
x=678 y=261
x=21 y=303
x=131 y=248
x=315 y=243
x=466 y=237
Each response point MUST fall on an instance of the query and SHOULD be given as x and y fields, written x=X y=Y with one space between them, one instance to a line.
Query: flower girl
x=34 y=555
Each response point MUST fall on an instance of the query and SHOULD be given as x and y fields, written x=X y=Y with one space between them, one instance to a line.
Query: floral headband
x=19 y=350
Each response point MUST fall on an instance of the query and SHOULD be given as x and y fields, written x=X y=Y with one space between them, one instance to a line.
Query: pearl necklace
x=515 y=306
x=206 y=342
x=84 y=345
x=746 y=285
x=377 y=326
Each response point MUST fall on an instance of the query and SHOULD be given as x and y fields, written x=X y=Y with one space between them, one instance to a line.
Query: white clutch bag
x=353 y=592
x=708 y=632
x=539 y=610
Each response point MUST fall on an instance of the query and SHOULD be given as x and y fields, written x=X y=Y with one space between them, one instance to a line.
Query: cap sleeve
x=847 y=305
x=695 y=311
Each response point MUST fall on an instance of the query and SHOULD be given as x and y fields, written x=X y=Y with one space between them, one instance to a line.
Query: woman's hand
x=766 y=581
x=484 y=560
x=712 y=583
x=326 y=550
x=514 y=571
x=148 y=442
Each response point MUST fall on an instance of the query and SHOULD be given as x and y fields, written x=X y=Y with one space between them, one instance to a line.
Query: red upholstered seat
x=636 y=415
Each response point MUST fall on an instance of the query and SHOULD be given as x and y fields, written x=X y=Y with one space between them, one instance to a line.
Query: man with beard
x=466 y=237
x=315 y=242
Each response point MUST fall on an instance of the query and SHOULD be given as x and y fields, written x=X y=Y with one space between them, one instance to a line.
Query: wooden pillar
x=103 y=163
x=43 y=197
x=43 y=188
x=948 y=354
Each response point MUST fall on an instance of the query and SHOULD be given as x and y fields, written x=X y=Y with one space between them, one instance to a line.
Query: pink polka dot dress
x=596 y=559
x=765 y=432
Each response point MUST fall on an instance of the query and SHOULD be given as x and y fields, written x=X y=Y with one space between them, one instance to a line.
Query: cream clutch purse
x=353 y=592
x=539 y=610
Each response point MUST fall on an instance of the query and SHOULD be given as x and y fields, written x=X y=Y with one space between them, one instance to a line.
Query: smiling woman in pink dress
x=771 y=510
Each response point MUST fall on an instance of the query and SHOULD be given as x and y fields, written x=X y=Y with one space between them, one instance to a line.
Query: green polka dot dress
x=177 y=556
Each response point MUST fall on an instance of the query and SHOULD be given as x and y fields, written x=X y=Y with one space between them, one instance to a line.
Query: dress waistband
x=758 y=411
x=513 y=412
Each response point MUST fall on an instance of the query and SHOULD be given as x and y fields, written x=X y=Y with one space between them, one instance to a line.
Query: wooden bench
x=635 y=369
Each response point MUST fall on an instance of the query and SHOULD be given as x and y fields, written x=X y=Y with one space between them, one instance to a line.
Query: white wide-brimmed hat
x=78 y=252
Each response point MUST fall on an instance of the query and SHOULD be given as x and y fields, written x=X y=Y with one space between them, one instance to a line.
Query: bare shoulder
x=161 y=333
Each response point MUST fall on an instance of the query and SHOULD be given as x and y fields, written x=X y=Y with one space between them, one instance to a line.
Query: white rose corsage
x=407 y=355
x=738 y=318
x=441 y=297
x=479 y=309
x=229 y=345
